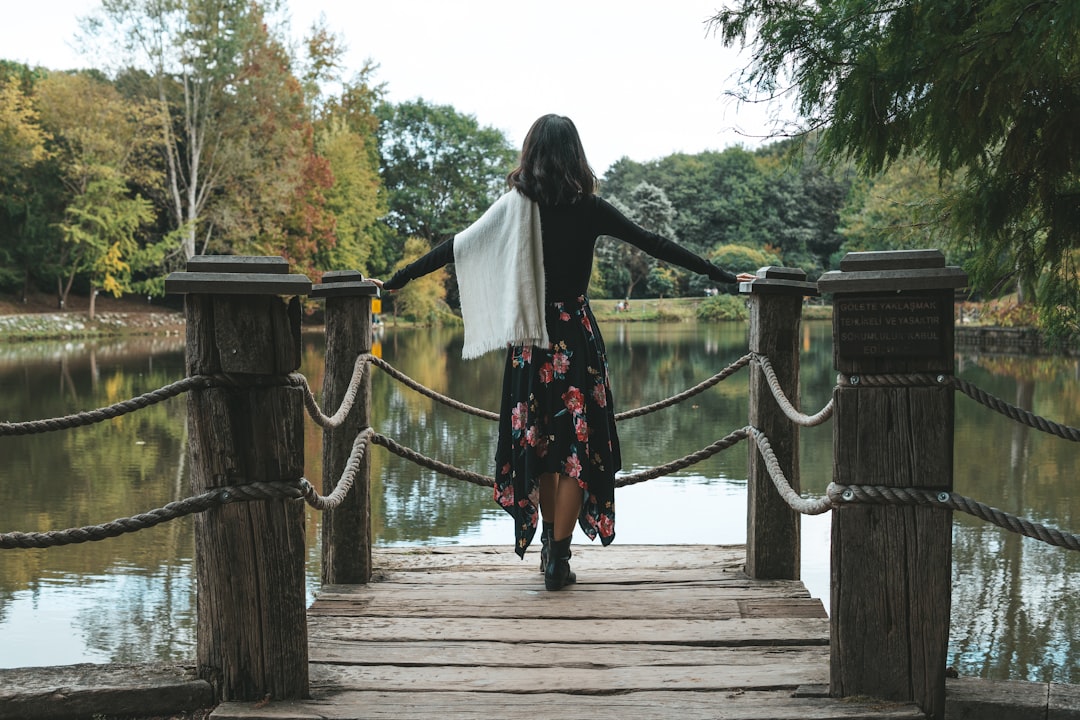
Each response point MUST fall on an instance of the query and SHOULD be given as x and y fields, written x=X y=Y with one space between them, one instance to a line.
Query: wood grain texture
x=346 y=529
x=772 y=528
x=891 y=565
x=251 y=631
x=632 y=639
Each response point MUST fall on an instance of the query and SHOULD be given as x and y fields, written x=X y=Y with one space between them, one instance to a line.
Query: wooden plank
x=92 y=690
x=684 y=705
x=587 y=555
x=683 y=581
x=782 y=608
x=775 y=673
x=465 y=601
x=526 y=574
x=545 y=654
x=1064 y=702
x=998 y=699
x=584 y=628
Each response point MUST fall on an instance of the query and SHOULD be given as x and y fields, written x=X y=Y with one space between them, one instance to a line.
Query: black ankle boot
x=558 y=574
x=546 y=535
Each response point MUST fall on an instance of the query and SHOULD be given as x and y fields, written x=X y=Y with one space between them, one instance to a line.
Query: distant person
x=523 y=270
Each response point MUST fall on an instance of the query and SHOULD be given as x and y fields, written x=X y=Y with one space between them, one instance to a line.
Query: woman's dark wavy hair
x=553 y=169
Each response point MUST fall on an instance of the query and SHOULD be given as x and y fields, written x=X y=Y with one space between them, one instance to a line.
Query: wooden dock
x=648 y=632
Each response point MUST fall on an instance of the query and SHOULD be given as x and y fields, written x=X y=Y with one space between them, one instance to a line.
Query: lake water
x=132 y=598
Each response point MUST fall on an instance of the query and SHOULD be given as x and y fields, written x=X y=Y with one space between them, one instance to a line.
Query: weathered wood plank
x=975 y=698
x=681 y=582
x=587 y=578
x=551 y=654
x=784 y=672
x=91 y=690
x=464 y=601
x=1064 y=702
x=585 y=627
x=590 y=556
x=684 y=705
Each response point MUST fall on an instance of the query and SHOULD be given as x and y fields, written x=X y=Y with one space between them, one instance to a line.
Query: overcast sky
x=640 y=79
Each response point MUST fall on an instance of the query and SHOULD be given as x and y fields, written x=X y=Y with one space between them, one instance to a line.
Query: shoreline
x=159 y=321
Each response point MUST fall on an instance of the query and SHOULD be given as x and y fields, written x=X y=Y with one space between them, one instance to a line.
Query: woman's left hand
x=746 y=277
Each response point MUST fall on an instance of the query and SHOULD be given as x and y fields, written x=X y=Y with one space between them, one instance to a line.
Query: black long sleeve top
x=569 y=234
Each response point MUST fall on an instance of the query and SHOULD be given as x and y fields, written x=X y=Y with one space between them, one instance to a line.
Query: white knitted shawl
x=500 y=270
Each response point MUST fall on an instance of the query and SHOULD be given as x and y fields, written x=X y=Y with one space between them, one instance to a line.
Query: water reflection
x=132 y=598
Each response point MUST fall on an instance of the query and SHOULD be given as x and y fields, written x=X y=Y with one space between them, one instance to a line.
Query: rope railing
x=348 y=476
x=347 y=402
x=317 y=414
x=285 y=489
x=1025 y=417
x=836 y=496
x=789 y=410
x=881 y=495
x=90 y=417
x=688 y=393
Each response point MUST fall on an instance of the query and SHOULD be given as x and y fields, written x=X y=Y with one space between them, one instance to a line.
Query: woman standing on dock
x=523 y=271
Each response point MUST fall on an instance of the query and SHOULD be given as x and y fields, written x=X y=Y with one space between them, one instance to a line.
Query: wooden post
x=249 y=556
x=346 y=529
x=891 y=565
x=772 y=528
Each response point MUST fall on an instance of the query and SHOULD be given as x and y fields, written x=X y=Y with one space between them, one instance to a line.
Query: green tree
x=897 y=209
x=626 y=267
x=985 y=91
x=441 y=169
x=347 y=136
x=24 y=217
x=421 y=299
x=98 y=141
x=354 y=198
x=101 y=226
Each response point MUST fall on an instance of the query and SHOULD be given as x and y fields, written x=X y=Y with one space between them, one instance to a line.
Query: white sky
x=640 y=79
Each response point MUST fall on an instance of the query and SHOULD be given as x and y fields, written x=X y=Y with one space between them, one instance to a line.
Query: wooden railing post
x=772 y=528
x=891 y=565
x=249 y=556
x=346 y=529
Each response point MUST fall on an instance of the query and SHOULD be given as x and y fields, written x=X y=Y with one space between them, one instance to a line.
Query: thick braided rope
x=891 y=380
x=431 y=463
x=489 y=415
x=793 y=414
x=428 y=392
x=1018 y=414
x=880 y=495
x=806 y=506
x=347 y=402
x=345 y=482
x=688 y=393
x=488 y=481
x=285 y=489
x=723 y=443
x=90 y=417
x=980 y=396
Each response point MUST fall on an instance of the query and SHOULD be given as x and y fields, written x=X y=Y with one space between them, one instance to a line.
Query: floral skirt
x=557 y=416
